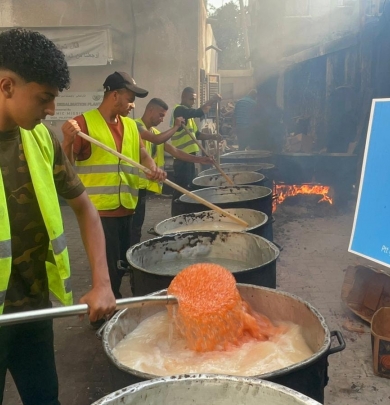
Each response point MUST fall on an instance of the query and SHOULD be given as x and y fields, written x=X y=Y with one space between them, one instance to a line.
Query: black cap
x=121 y=80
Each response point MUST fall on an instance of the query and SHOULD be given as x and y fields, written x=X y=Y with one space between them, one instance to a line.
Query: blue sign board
x=371 y=229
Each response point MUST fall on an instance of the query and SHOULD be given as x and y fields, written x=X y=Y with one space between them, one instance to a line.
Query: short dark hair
x=34 y=58
x=158 y=102
x=188 y=90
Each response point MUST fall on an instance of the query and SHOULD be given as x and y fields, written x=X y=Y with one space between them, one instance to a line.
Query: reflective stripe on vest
x=5 y=245
x=106 y=169
x=5 y=249
x=109 y=181
x=181 y=140
x=158 y=158
x=2 y=299
x=39 y=153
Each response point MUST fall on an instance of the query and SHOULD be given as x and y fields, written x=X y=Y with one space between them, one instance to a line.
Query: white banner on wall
x=71 y=103
x=89 y=47
x=82 y=46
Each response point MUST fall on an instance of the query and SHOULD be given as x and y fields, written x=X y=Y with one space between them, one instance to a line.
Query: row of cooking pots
x=251 y=203
x=264 y=156
x=335 y=169
x=254 y=205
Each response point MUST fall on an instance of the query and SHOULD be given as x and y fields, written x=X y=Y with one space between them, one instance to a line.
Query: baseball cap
x=121 y=80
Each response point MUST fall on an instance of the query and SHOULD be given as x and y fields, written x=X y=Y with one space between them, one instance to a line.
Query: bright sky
x=219 y=3
x=216 y=3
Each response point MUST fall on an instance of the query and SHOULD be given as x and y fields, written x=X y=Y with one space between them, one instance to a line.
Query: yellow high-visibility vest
x=39 y=152
x=158 y=158
x=181 y=140
x=109 y=181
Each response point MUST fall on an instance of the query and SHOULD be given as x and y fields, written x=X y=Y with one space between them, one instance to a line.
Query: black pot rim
x=202 y=233
x=259 y=180
x=251 y=228
x=322 y=352
x=220 y=378
x=198 y=192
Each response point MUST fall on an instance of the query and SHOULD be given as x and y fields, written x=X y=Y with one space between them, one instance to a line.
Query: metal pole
x=82 y=309
x=217 y=114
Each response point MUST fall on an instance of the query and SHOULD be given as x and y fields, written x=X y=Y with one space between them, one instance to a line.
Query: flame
x=283 y=191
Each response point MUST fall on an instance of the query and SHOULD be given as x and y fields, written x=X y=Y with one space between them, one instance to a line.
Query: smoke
x=283 y=28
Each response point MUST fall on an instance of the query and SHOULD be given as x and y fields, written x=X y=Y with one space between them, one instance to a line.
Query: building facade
x=322 y=61
x=161 y=44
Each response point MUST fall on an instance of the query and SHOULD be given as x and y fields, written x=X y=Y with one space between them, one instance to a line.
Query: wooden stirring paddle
x=166 y=181
x=217 y=166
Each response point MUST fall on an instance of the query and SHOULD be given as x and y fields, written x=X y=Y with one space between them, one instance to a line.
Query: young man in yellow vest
x=33 y=253
x=156 y=144
x=184 y=171
x=111 y=183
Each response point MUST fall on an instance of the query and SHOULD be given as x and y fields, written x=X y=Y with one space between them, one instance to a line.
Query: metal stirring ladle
x=82 y=309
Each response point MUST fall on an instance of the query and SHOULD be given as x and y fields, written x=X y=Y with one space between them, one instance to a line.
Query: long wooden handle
x=217 y=166
x=166 y=181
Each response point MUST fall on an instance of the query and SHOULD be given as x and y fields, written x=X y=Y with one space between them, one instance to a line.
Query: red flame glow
x=284 y=191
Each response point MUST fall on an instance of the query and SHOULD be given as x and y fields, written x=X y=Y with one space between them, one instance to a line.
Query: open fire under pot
x=250 y=258
x=201 y=389
x=308 y=377
x=252 y=197
x=333 y=175
x=309 y=195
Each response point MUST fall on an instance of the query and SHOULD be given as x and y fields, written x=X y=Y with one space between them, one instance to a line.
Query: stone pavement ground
x=311 y=266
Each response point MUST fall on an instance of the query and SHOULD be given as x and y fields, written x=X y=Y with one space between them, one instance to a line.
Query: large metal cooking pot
x=256 y=220
x=247 y=156
x=336 y=165
x=296 y=168
x=201 y=389
x=238 y=178
x=308 y=377
x=262 y=168
x=253 y=258
x=267 y=169
x=253 y=197
x=339 y=171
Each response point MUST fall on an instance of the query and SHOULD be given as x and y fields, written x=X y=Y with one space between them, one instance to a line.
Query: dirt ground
x=311 y=265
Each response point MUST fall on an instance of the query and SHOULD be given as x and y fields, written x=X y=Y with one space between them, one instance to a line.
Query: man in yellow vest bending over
x=33 y=252
x=111 y=183
x=184 y=171
x=156 y=145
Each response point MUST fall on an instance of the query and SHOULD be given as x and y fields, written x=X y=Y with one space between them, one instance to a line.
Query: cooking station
x=216 y=312
x=305 y=269
x=335 y=170
x=155 y=262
